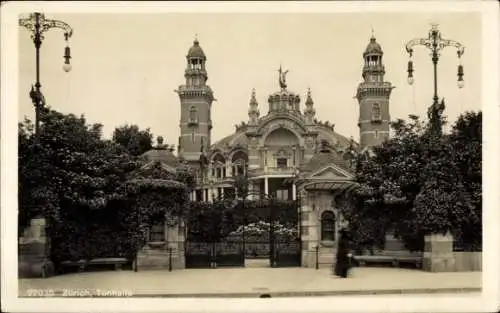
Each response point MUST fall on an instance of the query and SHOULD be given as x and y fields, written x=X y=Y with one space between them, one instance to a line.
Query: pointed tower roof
x=253 y=99
x=309 y=99
x=196 y=51
x=373 y=47
x=253 y=111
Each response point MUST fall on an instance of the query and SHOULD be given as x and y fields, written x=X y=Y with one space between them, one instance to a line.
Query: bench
x=395 y=260
x=82 y=264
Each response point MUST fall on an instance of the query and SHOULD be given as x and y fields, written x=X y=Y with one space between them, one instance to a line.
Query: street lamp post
x=37 y=24
x=435 y=43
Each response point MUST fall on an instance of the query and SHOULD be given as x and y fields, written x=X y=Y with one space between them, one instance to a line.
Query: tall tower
x=373 y=97
x=196 y=106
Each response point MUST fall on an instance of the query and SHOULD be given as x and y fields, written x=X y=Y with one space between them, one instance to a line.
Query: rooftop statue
x=282 y=78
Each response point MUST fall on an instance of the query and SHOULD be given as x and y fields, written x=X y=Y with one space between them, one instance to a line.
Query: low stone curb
x=325 y=293
x=282 y=294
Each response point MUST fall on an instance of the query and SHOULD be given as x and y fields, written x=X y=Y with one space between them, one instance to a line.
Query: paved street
x=251 y=282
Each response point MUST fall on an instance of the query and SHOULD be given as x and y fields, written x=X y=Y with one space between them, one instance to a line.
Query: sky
x=127 y=66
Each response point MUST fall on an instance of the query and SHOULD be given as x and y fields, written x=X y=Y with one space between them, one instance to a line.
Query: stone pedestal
x=438 y=254
x=34 y=260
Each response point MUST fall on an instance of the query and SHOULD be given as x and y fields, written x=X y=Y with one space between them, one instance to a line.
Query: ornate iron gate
x=288 y=253
x=281 y=243
x=286 y=246
x=215 y=254
x=198 y=254
x=229 y=253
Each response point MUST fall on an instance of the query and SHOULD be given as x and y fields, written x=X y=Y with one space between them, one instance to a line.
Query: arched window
x=239 y=168
x=328 y=226
x=376 y=112
x=219 y=164
x=239 y=163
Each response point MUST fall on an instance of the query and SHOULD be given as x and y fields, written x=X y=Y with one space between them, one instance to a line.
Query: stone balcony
x=214 y=181
x=267 y=170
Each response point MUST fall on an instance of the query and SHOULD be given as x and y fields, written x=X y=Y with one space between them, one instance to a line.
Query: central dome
x=284 y=100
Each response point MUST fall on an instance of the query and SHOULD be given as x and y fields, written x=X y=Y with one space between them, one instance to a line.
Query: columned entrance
x=321 y=221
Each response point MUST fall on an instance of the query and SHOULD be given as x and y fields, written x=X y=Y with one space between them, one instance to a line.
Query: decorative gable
x=332 y=172
x=157 y=169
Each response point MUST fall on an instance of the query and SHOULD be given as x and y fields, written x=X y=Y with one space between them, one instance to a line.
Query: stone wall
x=468 y=261
x=156 y=256
x=440 y=257
x=159 y=255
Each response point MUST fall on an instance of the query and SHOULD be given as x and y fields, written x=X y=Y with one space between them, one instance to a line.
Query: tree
x=67 y=175
x=416 y=184
x=466 y=137
x=155 y=192
x=133 y=139
x=390 y=180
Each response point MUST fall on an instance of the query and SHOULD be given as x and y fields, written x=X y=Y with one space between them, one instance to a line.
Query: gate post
x=181 y=244
x=438 y=253
x=169 y=259
x=317 y=256
x=34 y=246
x=272 y=243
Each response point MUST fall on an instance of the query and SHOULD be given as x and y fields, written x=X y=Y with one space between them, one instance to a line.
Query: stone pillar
x=176 y=240
x=266 y=186
x=250 y=190
x=438 y=253
x=210 y=194
x=256 y=189
x=294 y=192
x=309 y=232
x=34 y=251
x=265 y=159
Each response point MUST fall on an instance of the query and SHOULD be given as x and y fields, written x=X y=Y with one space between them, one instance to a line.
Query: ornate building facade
x=287 y=153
